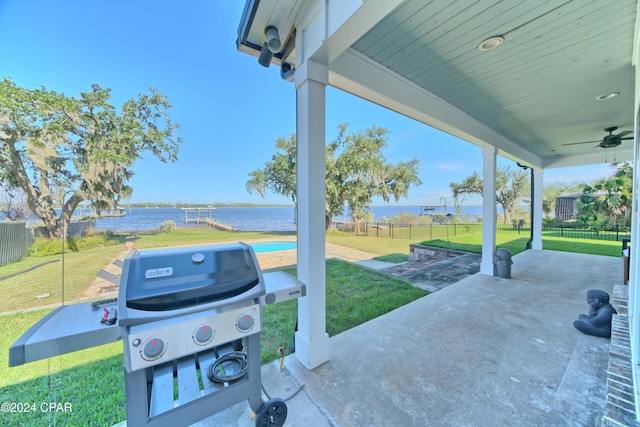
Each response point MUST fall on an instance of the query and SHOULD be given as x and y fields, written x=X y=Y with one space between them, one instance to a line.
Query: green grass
x=584 y=234
x=372 y=244
x=473 y=243
x=395 y=258
x=355 y=295
x=81 y=267
x=92 y=380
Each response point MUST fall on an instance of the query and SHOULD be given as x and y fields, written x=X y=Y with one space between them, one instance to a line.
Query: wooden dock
x=218 y=225
x=204 y=216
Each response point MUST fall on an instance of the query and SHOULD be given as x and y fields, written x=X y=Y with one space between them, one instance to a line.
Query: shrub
x=168 y=226
x=45 y=247
x=94 y=240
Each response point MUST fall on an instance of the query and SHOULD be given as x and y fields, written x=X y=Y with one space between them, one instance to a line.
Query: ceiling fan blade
x=583 y=142
x=626 y=132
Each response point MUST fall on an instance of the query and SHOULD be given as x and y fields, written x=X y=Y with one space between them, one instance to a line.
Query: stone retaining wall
x=419 y=252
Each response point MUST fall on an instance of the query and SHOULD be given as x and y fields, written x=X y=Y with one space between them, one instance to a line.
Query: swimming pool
x=272 y=246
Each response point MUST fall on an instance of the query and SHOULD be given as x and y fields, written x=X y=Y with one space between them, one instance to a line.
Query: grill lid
x=171 y=279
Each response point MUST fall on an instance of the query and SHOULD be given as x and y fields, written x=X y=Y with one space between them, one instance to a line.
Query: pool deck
x=270 y=260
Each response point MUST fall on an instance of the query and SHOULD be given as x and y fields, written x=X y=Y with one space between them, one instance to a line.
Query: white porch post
x=488 y=209
x=633 y=304
x=634 y=261
x=311 y=340
x=536 y=206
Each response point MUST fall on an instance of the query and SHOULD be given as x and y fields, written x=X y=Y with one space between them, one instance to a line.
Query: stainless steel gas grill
x=177 y=302
x=191 y=316
x=178 y=309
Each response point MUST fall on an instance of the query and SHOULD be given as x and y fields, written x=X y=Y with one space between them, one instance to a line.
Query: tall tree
x=62 y=150
x=279 y=173
x=624 y=182
x=362 y=172
x=356 y=172
x=462 y=190
x=511 y=185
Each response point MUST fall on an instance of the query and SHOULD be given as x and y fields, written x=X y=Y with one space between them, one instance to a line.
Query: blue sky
x=230 y=109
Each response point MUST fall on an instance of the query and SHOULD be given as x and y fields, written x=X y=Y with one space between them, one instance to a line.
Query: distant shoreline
x=201 y=205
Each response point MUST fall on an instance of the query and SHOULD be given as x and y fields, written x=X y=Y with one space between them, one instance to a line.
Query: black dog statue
x=598 y=321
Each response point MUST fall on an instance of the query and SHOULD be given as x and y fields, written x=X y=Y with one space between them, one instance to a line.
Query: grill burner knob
x=153 y=349
x=245 y=323
x=197 y=258
x=203 y=335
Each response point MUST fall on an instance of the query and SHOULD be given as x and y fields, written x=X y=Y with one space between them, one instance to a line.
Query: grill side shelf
x=67 y=329
x=281 y=287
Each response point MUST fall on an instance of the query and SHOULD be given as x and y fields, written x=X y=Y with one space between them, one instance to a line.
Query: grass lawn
x=473 y=243
x=92 y=380
x=372 y=244
x=81 y=267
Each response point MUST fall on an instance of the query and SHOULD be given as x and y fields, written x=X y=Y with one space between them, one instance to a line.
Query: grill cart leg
x=254 y=372
x=273 y=413
x=137 y=398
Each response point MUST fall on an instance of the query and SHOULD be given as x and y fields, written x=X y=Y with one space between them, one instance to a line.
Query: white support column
x=634 y=261
x=311 y=340
x=488 y=209
x=536 y=206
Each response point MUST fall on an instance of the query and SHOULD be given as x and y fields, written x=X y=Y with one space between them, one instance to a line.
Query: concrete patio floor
x=485 y=351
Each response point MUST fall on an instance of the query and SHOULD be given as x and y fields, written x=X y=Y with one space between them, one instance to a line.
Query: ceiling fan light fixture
x=490 y=43
x=607 y=96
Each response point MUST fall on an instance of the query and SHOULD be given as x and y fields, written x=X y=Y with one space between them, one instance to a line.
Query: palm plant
x=607 y=202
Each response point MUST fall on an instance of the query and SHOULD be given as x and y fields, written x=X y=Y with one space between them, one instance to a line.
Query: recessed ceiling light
x=491 y=43
x=607 y=96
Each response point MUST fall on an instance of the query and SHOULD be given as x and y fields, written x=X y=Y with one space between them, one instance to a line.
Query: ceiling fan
x=610 y=140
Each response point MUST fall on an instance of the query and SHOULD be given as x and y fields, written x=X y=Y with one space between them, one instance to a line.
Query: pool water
x=272 y=246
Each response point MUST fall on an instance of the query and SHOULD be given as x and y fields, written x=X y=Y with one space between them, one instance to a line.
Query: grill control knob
x=203 y=334
x=152 y=349
x=245 y=323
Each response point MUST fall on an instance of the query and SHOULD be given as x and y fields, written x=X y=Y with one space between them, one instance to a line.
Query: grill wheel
x=272 y=414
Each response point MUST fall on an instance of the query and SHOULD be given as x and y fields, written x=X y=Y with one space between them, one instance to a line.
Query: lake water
x=243 y=219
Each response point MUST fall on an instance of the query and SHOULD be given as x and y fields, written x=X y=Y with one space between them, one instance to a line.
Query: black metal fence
x=445 y=231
